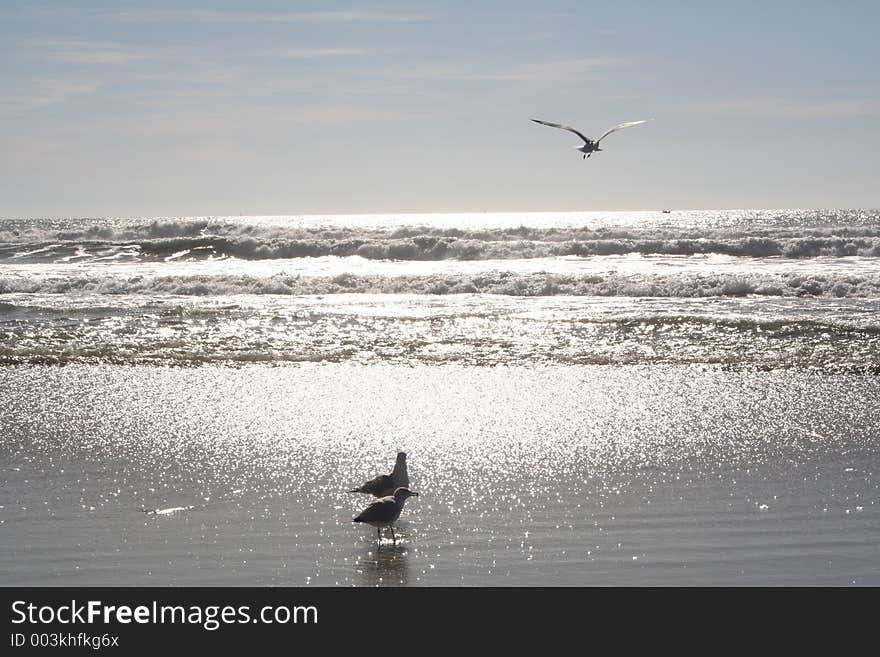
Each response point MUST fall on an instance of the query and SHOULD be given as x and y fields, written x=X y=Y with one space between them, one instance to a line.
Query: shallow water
x=586 y=398
x=556 y=475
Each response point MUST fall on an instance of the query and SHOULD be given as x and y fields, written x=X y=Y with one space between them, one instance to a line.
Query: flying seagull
x=385 y=485
x=591 y=145
x=384 y=512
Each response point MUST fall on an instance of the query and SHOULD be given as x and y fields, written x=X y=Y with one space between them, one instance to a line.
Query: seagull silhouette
x=590 y=145
x=383 y=513
x=385 y=485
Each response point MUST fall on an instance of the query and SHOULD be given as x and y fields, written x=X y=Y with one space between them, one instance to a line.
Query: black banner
x=127 y=620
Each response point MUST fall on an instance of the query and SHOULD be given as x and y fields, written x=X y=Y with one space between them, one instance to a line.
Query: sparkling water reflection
x=527 y=475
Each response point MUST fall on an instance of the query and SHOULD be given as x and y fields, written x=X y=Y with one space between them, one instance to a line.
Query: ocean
x=586 y=398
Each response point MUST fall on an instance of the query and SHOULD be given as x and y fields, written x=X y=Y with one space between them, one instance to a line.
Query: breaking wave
x=202 y=239
x=495 y=282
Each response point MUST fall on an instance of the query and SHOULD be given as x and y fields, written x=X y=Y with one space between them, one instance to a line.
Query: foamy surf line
x=466 y=236
x=440 y=245
x=841 y=285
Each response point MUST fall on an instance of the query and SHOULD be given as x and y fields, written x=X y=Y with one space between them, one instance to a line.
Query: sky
x=225 y=108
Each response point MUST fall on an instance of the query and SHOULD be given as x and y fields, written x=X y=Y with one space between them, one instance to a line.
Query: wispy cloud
x=778 y=107
x=76 y=51
x=552 y=71
x=216 y=16
x=333 y=114
x=318 y=53
x=46 y=92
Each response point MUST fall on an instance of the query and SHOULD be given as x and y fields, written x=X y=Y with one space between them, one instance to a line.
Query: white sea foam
x=471 y=288
x=492 y=282
x=790 y=235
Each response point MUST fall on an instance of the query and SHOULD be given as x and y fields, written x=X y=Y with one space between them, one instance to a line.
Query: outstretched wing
x=620 y=126
x=563 y=127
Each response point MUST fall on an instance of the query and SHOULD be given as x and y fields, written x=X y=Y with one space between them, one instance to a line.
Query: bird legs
x=379 y=537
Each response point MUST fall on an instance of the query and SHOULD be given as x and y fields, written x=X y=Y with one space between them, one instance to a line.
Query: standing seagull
x=589 y=145
x=384 y=512
x=385 y=485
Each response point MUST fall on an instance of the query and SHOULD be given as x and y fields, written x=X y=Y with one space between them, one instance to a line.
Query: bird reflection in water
x=388 y=567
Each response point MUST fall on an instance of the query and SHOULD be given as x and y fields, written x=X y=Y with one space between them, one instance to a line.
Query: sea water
x=585 y=398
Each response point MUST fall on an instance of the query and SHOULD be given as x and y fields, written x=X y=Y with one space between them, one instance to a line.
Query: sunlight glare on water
x=585 y=398
x=527 y=475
